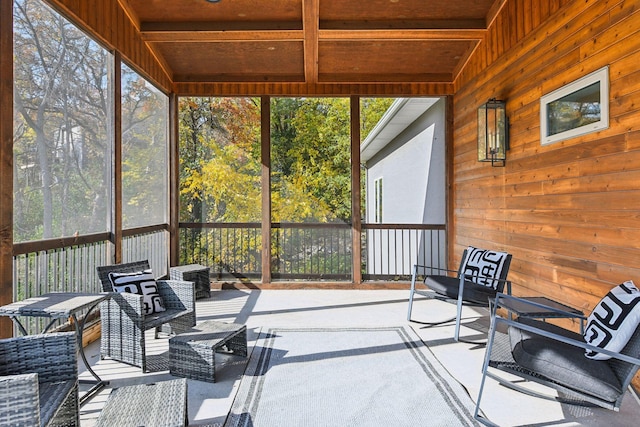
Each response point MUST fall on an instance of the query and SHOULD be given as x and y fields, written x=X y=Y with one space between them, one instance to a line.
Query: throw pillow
x=614 y=320
x=485 y=265
x=140 y=283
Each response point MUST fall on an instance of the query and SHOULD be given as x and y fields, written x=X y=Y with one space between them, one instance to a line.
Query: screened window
x=62 y=127
x=220 y=184
x=220 y=167
x=145 y=111
x=310 y=160
x=311 y=188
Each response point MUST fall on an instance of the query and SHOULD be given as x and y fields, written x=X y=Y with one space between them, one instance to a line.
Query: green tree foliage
x=220 y=159
x=316 y=185
x=371 y=111
x=310 y=158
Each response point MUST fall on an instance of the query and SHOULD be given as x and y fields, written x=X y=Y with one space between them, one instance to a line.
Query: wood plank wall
x=569 y=212
x=110 y=24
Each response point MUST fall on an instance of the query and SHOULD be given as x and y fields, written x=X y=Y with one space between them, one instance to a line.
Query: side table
x=196 y=273
x=539 y=308
x=193 y=354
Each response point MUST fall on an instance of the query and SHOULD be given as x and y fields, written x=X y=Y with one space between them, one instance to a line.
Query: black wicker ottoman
x=161 y=404
x=193 y=354
x=196 y=273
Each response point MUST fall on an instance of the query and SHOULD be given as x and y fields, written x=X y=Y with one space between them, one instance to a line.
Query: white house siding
x=412 y=168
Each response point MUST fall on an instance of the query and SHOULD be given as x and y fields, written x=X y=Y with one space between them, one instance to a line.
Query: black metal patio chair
x=547 y=354
x=481 y=275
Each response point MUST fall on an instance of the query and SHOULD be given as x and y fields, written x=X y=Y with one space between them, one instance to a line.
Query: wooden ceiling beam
x=405 y=24
x=311 y=25
x=151 y=27
x=402 y=34
x=346 y=78
x=171 y=36
x=238 y=78
x=306 y=89
x=309 y=36
x=128 y=10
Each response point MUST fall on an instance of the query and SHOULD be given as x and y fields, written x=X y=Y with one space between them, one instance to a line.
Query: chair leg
x=456 y=334
x=476 y=413
x=485 y=367
x=413 y=289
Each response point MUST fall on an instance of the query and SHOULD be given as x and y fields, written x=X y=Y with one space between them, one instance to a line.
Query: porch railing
x=232 y=251
x=389 y=251
x=312 y=251
x=69 y=264
x=150 y=243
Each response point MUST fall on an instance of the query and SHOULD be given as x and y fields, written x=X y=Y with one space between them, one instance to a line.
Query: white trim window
x=577 y=108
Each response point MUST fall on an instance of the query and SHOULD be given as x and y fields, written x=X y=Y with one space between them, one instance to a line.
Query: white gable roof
x=397 y=118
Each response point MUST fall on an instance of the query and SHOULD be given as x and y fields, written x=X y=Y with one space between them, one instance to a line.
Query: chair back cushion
x=130 y=267
x=140 y=283
x=614 y=320
x=485 y=265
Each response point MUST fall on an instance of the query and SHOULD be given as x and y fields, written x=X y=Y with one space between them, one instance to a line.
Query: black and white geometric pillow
x=485 y=265
x=140 y=283
x=614 y=320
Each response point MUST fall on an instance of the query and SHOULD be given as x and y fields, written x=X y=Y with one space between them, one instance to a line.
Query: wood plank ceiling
x=312 y=41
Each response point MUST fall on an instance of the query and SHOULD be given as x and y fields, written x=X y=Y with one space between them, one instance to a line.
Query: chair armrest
x=177 y=294
x=420 y=267
x=567 y=340
x=128 y=302
x=506 y=282
x=21 y=391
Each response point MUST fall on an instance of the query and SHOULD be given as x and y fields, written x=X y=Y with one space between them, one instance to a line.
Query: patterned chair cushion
x=614 y=320
x=140 y=283
x=485 y=264
x=562 y=363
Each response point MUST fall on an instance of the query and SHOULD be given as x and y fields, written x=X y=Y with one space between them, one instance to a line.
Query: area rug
x=350 y=377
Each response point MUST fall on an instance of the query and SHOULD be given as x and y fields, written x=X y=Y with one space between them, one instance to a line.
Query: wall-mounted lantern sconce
x=493 y=132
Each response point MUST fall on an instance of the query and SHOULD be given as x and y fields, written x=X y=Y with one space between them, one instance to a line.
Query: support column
x=265 y=137
x=449 y=188
x=174 y=182
x=356 y=220
x=6 y=162
x=116 y=222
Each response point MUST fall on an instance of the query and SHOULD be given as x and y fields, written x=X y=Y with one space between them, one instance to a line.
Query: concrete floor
x=208 y=403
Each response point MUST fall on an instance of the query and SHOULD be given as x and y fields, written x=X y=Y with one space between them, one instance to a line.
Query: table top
x=209 y=333
x=523 y=309
x=53 y=305
x=189 y=268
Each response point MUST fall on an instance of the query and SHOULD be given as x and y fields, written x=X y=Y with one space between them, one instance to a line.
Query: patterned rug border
x=249 y=391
